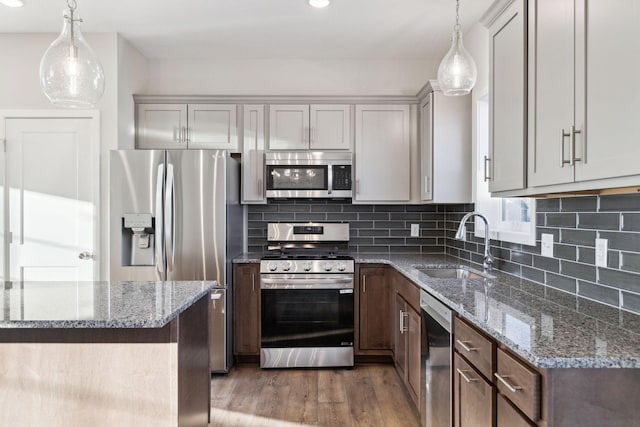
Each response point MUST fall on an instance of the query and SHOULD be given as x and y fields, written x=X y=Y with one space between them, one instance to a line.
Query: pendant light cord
x=72 y=5
x=457 y=27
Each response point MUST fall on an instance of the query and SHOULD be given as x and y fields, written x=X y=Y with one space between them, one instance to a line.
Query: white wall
x=289 y=77
x=133 y=70
x=20 y=89
x=476 y=41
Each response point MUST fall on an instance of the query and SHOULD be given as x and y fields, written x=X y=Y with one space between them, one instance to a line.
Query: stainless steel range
x=306 y=281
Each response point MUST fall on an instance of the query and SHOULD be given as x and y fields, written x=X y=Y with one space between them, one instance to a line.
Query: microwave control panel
x=342 y=177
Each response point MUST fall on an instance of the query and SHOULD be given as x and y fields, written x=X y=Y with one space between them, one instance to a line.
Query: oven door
x=311 y=311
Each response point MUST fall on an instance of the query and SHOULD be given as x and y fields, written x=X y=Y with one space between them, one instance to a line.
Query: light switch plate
x=547 y=245
x=415 y=230
x=601 y=252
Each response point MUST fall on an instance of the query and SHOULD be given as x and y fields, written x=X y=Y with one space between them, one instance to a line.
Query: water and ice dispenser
x=138 y=240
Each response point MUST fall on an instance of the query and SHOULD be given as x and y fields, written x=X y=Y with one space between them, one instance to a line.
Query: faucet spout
x=461 y=234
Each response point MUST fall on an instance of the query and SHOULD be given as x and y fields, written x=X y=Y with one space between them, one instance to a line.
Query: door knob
x=85 y=256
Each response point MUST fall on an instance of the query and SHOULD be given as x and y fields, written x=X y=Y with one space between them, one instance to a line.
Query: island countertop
x=125 y=304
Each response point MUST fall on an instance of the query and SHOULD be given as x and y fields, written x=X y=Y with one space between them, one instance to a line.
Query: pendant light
x=457 y=72
x=70 y=73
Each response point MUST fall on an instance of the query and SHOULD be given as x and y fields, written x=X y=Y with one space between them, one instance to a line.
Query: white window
x=510 y=219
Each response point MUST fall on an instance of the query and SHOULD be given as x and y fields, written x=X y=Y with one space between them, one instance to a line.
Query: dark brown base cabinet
x=374 y=317
x=246 y=310
x=406 y=334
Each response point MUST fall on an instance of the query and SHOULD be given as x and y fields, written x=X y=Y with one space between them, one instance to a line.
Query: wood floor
x=368 y=395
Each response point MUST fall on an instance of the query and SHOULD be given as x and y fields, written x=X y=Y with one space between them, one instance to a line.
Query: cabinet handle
x=563 y=162
x=463 y=375
x=260 y=186
x=486 y=170
x=312 y=135
x=176 y=138
x=465 y=346
x=357 y=186
x=364 y=284
x=512 y=388
x=189 y=131
x=572 y=141
x=401 y=322
x=253 y=283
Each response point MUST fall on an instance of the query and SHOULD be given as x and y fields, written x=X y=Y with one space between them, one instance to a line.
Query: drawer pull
x=463 y=375
x=465 y=346
x=512 y=388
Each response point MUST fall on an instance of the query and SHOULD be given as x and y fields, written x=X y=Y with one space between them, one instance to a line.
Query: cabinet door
x=426 y=148
x=413 y=354
x=610 y=144
x=212 y=126
x=507 y=416
x=507 y=100
x=473 y=396
x=375 y=309
x=551 y=93
x=382 y=154
x=399 y=335
x=289 y=127
x=330 y=127
x=253 y=155
x=246 y=309
x=161 y=126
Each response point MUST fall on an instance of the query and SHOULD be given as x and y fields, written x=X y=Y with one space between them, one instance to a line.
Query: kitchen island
x=104 y=353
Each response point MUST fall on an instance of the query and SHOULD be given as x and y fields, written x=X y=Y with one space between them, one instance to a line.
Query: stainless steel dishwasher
x=436 y=347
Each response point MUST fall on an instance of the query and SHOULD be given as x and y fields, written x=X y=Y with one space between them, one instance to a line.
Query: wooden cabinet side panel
x=507 y=416
x=246 y=309
x=414 y=355
x=399 y=340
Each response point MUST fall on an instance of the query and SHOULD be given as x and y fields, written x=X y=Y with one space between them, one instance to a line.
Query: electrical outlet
x=547 y=245
x=415 y=230
x=601 y=252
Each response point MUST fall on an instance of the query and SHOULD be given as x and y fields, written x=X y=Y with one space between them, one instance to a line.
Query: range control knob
x=286 y=266
x=341 y=266
x=328 y=266
x=273 y=266
x=307 y=266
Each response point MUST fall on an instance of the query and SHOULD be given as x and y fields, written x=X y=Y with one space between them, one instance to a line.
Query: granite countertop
x=97 y=304
x=547 y=327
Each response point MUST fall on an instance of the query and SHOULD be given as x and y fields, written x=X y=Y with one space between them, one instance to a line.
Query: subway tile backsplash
x=575 y=223
x=375 y=229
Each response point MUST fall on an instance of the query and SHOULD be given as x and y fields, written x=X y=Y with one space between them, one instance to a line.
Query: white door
x=51 y=174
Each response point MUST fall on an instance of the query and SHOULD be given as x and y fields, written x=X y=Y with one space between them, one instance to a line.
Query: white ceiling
x=280 y=29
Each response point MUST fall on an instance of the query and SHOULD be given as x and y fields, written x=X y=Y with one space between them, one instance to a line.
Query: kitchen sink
x=458 y=272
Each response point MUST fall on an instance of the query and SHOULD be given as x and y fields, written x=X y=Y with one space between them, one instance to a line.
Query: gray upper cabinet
x=304 y=127
x=445 y=147
x=505 y=163
x=253 y=146
x=382 y=154
x=583 y=102
x=161 y=126
x=181 y=126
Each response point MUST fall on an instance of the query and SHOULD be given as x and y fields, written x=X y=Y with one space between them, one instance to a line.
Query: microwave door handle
x=329 y=178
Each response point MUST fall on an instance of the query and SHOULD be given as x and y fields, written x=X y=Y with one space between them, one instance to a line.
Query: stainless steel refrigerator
x=176 y=215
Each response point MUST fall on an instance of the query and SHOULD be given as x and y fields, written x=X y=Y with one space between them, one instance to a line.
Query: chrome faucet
x=461 y=234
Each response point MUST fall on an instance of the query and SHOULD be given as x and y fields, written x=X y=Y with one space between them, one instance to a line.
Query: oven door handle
x=333 y=283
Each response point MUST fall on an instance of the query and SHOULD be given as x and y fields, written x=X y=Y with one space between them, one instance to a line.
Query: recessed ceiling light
x=12 y=3
x=319 y=3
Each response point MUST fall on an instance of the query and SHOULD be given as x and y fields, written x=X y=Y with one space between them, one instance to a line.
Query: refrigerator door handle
x=170 y=218
x=159 y=226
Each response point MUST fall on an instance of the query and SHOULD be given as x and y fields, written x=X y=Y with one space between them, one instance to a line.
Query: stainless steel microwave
x=305 y=174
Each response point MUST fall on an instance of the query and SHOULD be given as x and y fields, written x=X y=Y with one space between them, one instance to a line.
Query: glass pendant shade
x=457 y=72
x=70 y=74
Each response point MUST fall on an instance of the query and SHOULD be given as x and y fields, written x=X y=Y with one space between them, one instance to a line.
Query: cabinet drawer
x=475 y=347
x=407 y=290
x=519 y=384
